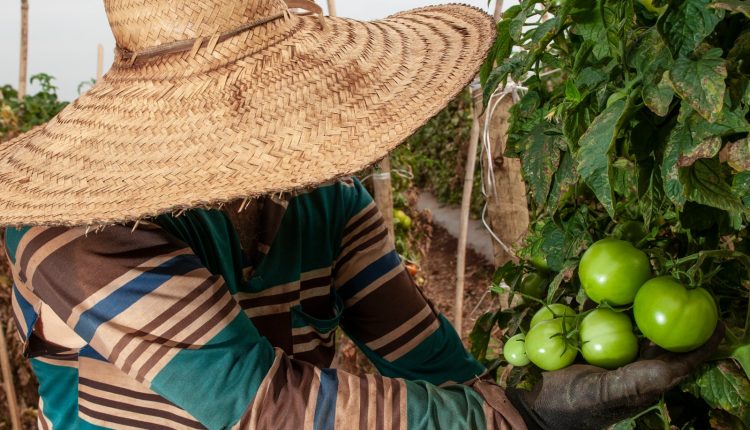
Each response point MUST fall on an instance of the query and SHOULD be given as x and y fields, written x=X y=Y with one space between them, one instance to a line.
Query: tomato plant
x=673 y=317
x=607 y=339
x=21 y=115
x=634 y=113
x=612 y=271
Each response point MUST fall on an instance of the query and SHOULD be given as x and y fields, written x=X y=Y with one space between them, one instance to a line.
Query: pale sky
x=63 y=35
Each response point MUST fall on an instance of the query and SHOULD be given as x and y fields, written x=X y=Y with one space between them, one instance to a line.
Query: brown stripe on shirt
x=42 y=421
x=30 y=243
x=361 y=256
x=361 y=217
x=121 y=388
x=168 y=314
x=103 y=407
x=398 y=298
x=168 y=338
x=363 y=401
x=224 y=315
x=116 y=421
x=283 y=406
x=419 y=332
x=372 y=237
x=366 y=226
x=122 y=249
x=361 y=259
x=379 y=416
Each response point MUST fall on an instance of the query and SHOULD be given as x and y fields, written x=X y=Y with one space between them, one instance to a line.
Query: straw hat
x=212 y=100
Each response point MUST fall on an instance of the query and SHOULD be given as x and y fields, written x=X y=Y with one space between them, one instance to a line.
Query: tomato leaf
x=564 y=180
x=723 y=386
x=658 y=95
x=594 y=155
x=500 y=51
x=651 y=198
x=541 y=161
x=742 y=355
x=705 y=184
x=692 y=138
x=707 y=148
x=700 y=82
x=480 y=335
x=686 y=24
x=737 y=154
x=591 y=26
x=563 y=241
x=733 y=6
x=741 y=187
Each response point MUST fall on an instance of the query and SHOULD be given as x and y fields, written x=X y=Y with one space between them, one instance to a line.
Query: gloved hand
x=586 y=397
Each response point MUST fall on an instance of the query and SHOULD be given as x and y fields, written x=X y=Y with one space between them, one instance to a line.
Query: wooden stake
x=507 y=207
x=99 y=61
x=332 y=7
x=23 y=62
x=10 y=387
x=381 y=183
x=498 y=10
x=463 y=233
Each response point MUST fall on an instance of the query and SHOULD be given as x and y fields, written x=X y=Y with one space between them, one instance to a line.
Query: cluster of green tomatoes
x=617 y=276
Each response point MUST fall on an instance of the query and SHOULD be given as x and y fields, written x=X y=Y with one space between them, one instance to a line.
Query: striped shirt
x=173 y=325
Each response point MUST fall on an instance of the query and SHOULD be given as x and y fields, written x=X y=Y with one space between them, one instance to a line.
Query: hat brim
x=244 y=120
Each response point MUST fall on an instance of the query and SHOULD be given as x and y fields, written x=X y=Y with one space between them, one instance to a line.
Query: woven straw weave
x=283 y=106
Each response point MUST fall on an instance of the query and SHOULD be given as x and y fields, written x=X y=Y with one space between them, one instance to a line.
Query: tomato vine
x=634 y=125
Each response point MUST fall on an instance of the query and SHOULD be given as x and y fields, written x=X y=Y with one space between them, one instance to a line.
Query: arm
x=384 y=312
x=144 y=302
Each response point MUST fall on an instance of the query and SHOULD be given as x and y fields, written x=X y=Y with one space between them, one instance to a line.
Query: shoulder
x=345 y=195
x=33 y=248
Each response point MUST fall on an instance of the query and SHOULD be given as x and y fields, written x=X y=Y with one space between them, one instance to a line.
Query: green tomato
x=401 y=218
x=547 y=347
x=607 y=339
x=514 y=351
x=539 y=261
x=612 y=271
x=551 y=312
x=649 y=5
x=533 y=284
x=673 y=317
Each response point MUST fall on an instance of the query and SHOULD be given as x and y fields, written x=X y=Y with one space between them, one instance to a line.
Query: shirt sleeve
x=385 y=313
x=144 y=302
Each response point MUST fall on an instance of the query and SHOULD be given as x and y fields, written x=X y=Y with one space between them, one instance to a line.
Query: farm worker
x=185 y=242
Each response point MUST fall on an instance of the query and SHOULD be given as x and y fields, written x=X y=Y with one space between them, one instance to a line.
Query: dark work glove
x=588 y=397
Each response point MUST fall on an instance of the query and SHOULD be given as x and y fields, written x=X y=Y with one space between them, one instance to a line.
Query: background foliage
x=436 y=155
x=19 y=116
x=635 y=125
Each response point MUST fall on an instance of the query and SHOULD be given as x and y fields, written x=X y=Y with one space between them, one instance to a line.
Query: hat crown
x=141 y=24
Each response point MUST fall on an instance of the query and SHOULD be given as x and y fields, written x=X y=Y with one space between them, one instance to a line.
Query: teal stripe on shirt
x=227 y=370
x=58 y=386
x=429 y=407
